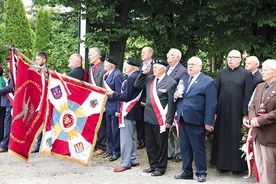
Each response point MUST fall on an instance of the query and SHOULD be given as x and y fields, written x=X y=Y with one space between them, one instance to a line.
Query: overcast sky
x=27 y=2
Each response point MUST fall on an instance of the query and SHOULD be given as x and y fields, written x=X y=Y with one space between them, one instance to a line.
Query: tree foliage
x=212 y=27
x=18 y=31
x=42 y=31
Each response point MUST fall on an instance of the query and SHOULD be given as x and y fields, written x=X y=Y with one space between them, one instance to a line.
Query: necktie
x=189 y=82
x=105 y=76
x=94 y=69
x=157 y=81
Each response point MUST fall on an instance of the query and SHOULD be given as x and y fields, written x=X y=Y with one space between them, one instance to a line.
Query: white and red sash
x=126 y=108
x=160 y=113
x=250 y=154
x=91 y=77
x=105 y=85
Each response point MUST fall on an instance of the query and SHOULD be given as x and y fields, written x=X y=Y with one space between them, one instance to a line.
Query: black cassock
x=234 y=91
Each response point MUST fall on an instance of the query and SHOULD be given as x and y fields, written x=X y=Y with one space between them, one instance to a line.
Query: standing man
x=146 y=55
x=5 y=102
x=252 y=65
x=195 y=112
x=112 y=80
x=41 y=59
x=96 y=73
x=235 y=86
x=158 y=115
x=176 y=71
x=262 y=117
x=130 y=112
x=75 y=63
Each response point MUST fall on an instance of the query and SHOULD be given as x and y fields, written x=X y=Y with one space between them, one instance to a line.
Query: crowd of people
x=172 y=107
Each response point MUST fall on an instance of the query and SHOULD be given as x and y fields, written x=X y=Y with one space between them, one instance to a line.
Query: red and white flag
x=74 y=113
x=26 y=121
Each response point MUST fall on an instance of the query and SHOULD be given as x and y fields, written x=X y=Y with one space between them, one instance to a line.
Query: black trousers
x=157 y=147
x=101 y=135
x=2 y=118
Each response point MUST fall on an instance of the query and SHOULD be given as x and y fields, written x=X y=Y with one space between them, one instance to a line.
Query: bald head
x=252 y=63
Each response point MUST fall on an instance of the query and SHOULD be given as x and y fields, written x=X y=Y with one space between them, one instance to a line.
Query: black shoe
x=113 y=158
x=106 y=154
x=156 y=173
x=201 y=178
x=35 y=150
x=141 y=144
x=148 y=170
x=183 y=176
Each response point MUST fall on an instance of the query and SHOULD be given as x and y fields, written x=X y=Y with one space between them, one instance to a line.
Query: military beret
x=111 y=59
x=133 y=61
x=159 y=61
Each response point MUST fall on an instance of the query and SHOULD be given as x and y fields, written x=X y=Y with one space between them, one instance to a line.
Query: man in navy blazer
x=195 y=112
x=8 y=118
x=176 y=71
x=112 y=80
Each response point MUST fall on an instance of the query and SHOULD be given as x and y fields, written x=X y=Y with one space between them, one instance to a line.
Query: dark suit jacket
x=178 y=72
x=114 y=81
x=129 y=92
x=266 y=132
x=198 y=106
x=77 y=73
x=168 y=84
x=98 y=75
x=5 y=102
x=257 y=78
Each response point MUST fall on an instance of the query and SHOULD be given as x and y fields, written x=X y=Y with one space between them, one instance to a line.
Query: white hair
x=270 y=63
x=196 y=59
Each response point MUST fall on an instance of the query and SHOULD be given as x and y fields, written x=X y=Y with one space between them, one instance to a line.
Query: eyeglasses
x=233 y=57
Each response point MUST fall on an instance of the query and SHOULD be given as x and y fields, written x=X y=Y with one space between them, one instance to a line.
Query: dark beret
x=133 y=61
x=159 y=61
x=111 y=59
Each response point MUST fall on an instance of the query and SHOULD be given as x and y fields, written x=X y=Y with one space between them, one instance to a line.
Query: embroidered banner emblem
x=56 y=91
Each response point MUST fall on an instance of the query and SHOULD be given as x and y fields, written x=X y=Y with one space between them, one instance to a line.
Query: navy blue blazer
x=129 y=92
x=178 y=72
x=5 y=102
x=77 y=73
x=114 y=81
x=198 y=106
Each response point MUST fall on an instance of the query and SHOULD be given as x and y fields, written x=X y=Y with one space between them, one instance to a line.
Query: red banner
x=27 y=120
x=74 y=115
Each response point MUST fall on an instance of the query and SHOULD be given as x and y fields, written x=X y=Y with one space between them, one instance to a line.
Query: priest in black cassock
x=235 y=86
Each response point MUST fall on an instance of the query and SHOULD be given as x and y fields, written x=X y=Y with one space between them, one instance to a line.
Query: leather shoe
x=156 y=173
x=113 y=158
x=183 y=176
x=148 y=170
x=106 y=154
x=35 y=150
x=201 y=178
x=2 y=150
x=99 y=152
x=121 y=169
x=176 y=159
x=135 y=165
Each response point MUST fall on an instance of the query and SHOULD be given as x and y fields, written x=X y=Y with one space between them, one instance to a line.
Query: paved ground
x=52 y=170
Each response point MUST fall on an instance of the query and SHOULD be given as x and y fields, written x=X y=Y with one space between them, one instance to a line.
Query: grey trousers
x=128 y=144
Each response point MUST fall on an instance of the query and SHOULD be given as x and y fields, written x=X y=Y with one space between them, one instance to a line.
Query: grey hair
x=270 y=63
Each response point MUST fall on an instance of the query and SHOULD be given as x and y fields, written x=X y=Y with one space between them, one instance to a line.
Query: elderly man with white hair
x=262 y=116
x=158 y=114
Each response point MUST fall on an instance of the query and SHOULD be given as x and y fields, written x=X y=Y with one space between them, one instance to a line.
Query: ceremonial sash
x=250 y=154
x=91 y=77
x=160 y=113
x=125 y=109
x=105 y=85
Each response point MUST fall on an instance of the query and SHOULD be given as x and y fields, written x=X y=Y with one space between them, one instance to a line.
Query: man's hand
x=147 y=70
x=110 y=93
x=168 y=125
x=254 y=122
x=209 y=128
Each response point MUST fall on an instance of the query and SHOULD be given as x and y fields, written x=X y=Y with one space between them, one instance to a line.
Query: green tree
x=42 y=31
x=18 y=31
